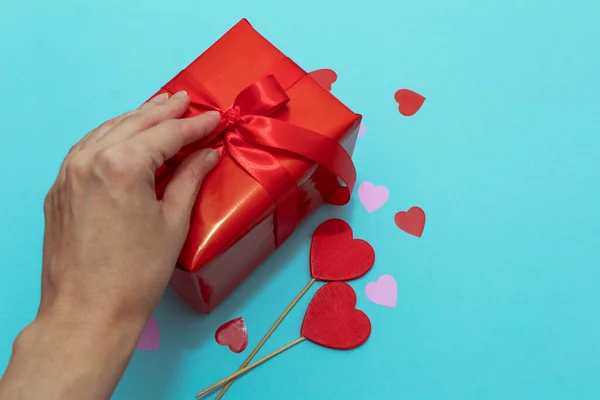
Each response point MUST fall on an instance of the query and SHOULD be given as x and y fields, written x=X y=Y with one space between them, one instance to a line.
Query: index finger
x=164 y=140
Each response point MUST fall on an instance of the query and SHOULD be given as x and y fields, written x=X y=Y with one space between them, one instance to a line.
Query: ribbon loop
x=249 y=134
x=264 y=97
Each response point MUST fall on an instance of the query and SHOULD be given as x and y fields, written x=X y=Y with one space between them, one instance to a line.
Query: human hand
x=109 y=245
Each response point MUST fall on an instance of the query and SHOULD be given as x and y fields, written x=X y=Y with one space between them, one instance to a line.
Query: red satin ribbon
x=249 y=135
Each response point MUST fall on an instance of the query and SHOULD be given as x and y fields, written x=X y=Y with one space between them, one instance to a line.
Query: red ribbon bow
x=249 y=135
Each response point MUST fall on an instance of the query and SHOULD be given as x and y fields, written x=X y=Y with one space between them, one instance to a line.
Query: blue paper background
x=498 y=300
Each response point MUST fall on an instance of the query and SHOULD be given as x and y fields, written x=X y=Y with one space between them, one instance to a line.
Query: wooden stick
x=268 y=334
x=249 y=367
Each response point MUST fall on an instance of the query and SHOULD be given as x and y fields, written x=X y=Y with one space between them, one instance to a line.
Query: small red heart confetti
x=411 y=221
x=409 y=102
x=325 y=77
x=332 y=319
x=233 y=334
x=336 y=256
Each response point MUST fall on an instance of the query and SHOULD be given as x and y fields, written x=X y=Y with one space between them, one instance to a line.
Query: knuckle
x=108 y=125
x=133 y=151
x=197 y=176
x=112 y=161
x=121 y=161
x=147 y=105
x=49 y=201
x=128 y=114
x=143 y=119
x=183 y=127
x=171 y=125
x=78 y=167
x=115 y=122
x=125 y=117
x=73 y=149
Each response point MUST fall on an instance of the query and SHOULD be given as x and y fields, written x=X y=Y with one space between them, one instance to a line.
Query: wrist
x=79 y=355
x=87 y=319
x=90 y=329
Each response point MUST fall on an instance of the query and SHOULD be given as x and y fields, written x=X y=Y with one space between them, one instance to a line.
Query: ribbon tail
x=326 y=152
x=273 y=177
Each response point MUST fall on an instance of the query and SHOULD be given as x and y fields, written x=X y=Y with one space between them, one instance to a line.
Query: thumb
x=181 y=192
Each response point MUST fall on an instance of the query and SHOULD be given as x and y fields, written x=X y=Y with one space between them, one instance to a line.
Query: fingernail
x=180 y=94
x=213 y=114
x=160 y=98
x=212 y=157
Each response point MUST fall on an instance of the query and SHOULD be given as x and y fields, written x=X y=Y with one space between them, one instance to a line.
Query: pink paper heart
x=371 y=196
x=383 y=292
x=362 y=130
x=150 y=339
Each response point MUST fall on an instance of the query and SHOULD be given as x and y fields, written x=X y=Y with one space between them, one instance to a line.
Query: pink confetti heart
x=371 y=196
x=362 y=130
x=383 y=292
x=150 y=339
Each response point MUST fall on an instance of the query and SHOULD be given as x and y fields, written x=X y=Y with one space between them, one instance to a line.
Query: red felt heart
x=411 y=221
x=326 y=77
x=332 y=320
x=336 y=256
x=233 y=334
x=409 y=102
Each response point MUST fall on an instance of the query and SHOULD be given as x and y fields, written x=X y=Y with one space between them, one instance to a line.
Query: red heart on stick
x=409 y=102
x=411 y=221
x=332 y=320
x=336 y=256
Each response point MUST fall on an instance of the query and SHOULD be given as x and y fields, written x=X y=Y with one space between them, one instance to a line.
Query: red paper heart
x=233 y=334
x=332 y=320
x=409 y=102
x=326 y=77
x=411 y=221
x=336 y=256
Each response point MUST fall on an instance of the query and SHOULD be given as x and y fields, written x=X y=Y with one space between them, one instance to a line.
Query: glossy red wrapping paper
x=233 y=224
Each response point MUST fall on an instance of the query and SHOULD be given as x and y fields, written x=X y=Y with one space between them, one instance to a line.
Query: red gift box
x=285 y=145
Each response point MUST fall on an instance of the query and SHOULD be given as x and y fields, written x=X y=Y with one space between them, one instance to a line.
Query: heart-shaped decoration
x=411 y=221
x=372 y=197
x=325 y=77
x=336 y=256
x=150 y=339
x=409 y=102
x=332 y=320
x=383 y=292
x=233 y=334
